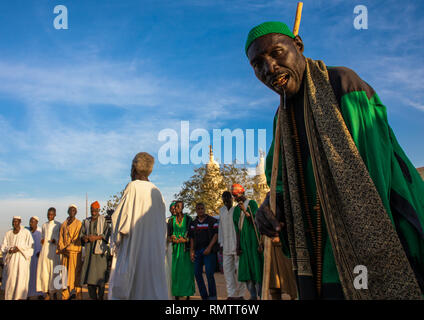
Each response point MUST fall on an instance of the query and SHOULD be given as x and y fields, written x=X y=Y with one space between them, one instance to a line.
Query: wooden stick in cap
x=298 y=18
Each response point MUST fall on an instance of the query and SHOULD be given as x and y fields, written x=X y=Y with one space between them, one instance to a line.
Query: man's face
x=16 y=223
x=95 y=212
x=51 y=215
x=238 y=197
x=179 y=207
x=228 y=200
x=33 y=224
x=200 y=210
x=278 y=62
x=72 y=212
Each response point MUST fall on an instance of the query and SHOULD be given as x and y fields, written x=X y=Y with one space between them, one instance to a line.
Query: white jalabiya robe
x=32 y=289
x=48 y=259
x=138 y=241
x=16 y=265
x=228 y=240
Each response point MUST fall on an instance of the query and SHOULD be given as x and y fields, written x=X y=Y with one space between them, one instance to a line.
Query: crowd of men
x=55 y=261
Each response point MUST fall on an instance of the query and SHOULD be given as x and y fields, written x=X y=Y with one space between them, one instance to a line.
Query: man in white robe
x=228 y=242
x=17 y=251
x=138 y=238
x=36 y=236
x=48 y=259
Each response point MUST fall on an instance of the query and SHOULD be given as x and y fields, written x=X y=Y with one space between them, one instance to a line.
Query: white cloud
x=80 y=145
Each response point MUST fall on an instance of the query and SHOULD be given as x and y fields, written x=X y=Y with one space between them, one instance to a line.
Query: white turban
x=72 y=206
x=36 y=218
x=17 y=217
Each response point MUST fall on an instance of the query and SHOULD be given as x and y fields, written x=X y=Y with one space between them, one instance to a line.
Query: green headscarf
x=173 y=203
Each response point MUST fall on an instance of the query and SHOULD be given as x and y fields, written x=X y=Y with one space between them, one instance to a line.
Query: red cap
x=237 y=189
x=95 y=205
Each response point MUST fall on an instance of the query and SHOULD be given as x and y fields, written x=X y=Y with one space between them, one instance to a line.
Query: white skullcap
x=36 y=218
x=17 y=217
x=72 y=206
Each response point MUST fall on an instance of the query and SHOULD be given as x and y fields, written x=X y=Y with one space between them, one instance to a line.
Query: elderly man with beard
x=17 y=250
x=95 y=232
x=346 y=193
x=139 y=238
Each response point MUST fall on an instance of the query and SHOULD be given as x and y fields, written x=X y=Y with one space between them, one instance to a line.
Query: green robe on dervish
x=250 y=261
x=398 y=183
x=182 y=266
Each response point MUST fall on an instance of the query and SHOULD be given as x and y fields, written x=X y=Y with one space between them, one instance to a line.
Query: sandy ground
x=220 y=286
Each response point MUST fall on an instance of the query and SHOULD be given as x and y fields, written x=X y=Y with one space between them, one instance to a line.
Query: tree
x=112 y=203
x=209 y=182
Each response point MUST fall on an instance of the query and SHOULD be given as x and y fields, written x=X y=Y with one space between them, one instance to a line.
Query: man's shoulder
x=27 y=232
x=223 y=210
x=344 y=80
x=211 y=220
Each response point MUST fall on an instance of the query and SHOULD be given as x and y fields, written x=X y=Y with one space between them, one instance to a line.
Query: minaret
x=212 y=163
x=260 y=187
x=213 y=185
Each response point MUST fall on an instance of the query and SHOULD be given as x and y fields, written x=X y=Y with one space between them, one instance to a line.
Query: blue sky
x=76 y=105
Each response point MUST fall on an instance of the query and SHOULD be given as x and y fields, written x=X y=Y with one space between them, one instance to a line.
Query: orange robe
x=69 y=246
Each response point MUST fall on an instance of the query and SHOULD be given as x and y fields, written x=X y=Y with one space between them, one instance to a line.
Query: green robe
x=250 y=261
x=182 y=266
x=397 y=181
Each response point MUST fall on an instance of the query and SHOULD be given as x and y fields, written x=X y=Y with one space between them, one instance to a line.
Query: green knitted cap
x=267 y=28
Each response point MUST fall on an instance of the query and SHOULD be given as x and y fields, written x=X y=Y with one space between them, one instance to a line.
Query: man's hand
x=268 y=223
x=207 y=251
x=13 y=250
x=42 y=241
x=243 y=208
x=260 y=248
x=38 y=254
x=52 y=241
x=192 y=255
